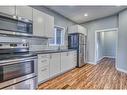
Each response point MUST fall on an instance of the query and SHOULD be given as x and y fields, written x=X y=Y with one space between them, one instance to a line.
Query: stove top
x=16 y=55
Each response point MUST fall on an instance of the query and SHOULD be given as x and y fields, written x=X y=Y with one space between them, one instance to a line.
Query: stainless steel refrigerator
x=78 y=41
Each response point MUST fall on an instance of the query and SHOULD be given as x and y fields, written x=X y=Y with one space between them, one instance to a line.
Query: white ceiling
x=76 y=13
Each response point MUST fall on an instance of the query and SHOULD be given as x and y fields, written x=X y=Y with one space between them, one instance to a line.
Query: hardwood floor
x=100 y=76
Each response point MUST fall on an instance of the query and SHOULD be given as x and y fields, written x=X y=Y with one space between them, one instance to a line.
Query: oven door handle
x=16 y=61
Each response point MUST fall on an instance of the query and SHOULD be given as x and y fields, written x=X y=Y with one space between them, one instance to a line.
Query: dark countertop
x=11 y=56
x=30 y=54
x=52 y=51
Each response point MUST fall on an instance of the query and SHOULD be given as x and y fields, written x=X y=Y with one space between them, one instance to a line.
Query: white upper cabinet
x=38 y=23
x=43 y=24
x=77 y=29
x=24 y=12
x=49 y=26
x=9 y=10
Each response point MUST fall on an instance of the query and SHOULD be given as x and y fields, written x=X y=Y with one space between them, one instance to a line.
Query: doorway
x=105 y=44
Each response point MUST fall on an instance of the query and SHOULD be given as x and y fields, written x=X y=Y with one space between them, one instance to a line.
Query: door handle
x=44 y=69
x=43 y=61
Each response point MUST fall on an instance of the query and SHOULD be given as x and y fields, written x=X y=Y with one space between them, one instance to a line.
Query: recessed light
x=85 y=14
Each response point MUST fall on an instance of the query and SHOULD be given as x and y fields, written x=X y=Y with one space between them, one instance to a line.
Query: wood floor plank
x=101 y=76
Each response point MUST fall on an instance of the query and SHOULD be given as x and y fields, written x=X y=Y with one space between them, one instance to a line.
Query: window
x=58 y=38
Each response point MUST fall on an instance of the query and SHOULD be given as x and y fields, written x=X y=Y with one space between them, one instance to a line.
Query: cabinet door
x=65 y=62
x=9 y=10
x=49 y=26
x=72 y=59
x=38 y=23
x=54 y=64
x=24 y=11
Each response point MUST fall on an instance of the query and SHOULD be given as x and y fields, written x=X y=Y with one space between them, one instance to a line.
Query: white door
x=54 y=64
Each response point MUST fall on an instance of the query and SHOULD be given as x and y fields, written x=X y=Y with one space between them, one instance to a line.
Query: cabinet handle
x=50 y=56
x=43 y=61
x=44 y=56
x=67 y=53
x=44 y=69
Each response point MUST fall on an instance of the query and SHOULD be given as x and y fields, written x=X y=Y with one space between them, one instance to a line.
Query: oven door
x=16 y=71
x=29 y=84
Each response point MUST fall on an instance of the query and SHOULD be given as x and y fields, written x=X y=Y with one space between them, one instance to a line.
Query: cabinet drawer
x=43 y=60
x=43 y=74
x=43 y=56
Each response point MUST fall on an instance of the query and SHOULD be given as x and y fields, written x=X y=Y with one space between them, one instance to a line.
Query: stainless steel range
x=17 y=66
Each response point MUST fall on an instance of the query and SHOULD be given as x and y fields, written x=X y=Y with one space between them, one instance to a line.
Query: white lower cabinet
x=51 y=65
x=54 y=64
x=68 y=60
x=43 y=67
x=65 y=61
x=73 y=59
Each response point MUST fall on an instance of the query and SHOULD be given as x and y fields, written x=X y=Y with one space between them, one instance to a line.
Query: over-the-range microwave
x=15 y=25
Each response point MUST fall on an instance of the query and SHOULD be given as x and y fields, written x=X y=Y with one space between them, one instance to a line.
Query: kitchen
x=39 y=46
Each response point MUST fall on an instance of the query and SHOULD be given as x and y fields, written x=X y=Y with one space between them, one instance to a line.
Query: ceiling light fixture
x=85 y=14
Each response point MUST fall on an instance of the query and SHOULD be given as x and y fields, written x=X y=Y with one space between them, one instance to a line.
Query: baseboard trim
x=121 y=70
x=92 y=63
x=103 y=58
x=100 y=59
x=110 y=56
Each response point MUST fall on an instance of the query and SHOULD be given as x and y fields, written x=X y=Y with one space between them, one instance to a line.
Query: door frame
x=103 y=30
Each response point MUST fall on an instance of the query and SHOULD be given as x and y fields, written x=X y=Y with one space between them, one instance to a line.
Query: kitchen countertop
x=29 y=54
x=52 y=51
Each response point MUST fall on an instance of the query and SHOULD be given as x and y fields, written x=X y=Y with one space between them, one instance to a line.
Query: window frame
x=62 y=36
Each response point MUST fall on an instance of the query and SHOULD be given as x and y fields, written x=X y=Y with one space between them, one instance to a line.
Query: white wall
x=100 y=45
x=110 y=44
x=105 y=23
x=122 y=42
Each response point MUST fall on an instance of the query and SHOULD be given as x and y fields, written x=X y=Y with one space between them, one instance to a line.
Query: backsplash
x=34 y=43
